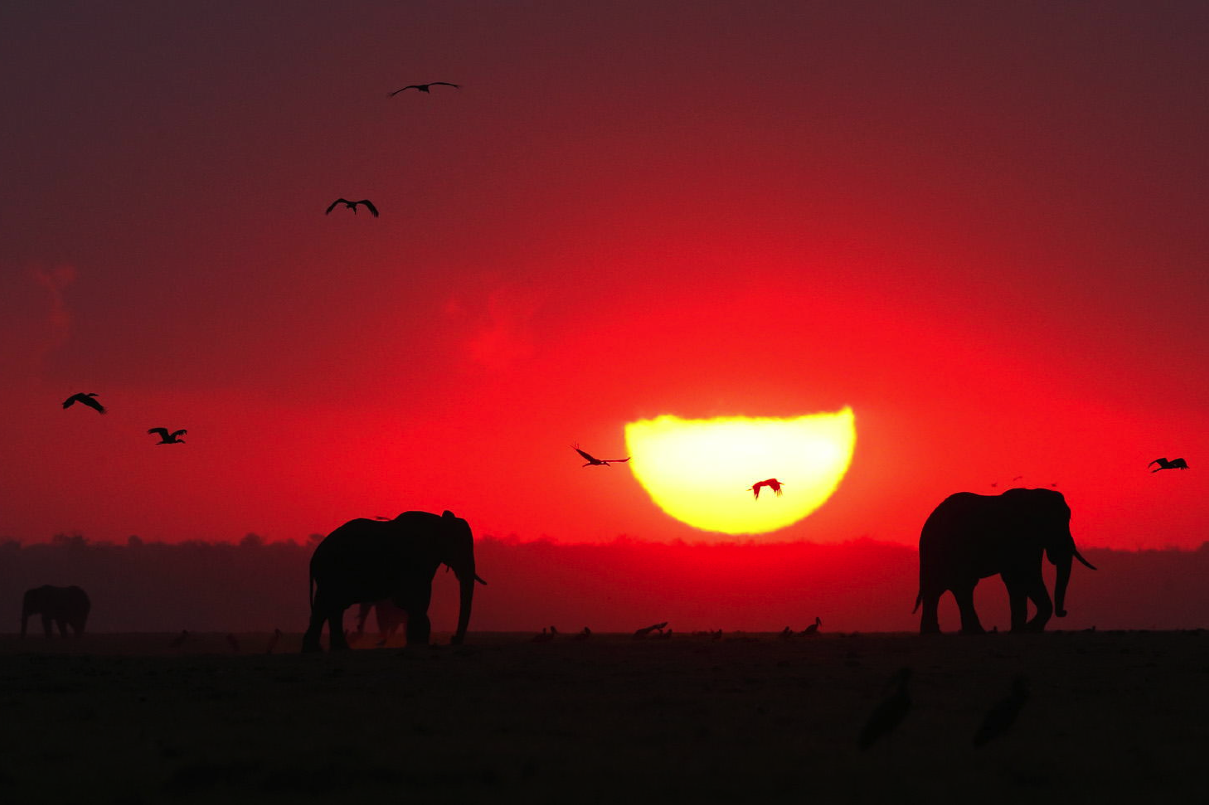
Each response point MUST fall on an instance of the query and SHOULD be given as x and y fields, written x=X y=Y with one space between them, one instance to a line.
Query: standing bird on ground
x=1164 y=464
x=813 y=628
x=1000 y=718
x=598 y=462
x=180 y=639
x=352 y=205
x=771 y=483
x=424 y=87
x=890 y=713
x=84 y=399
x=169 y=438
x=273 y=641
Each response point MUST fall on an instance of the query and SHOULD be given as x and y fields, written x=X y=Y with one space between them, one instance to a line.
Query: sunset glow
x=700 y=470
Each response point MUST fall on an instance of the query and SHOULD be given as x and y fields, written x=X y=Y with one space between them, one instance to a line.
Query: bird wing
x=179 y=433
x=91 y=402
x=620 y=460
x=587 y=456
x=409 y=86
x=371 y=206
x=163 y=432
x=70 y=400
x=1156 y=461
x=333 y=205
x=444 y=84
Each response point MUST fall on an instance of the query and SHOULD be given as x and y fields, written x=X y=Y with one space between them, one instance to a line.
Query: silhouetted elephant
x=369 y=560
x=63 y=605
x=969 y=537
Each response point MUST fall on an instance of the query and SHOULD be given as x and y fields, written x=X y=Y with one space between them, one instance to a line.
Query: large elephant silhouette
x=969 y=537
x=65 y=606
x=371 y=560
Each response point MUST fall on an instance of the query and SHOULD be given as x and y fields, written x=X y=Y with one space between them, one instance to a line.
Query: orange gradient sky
x=980 y=226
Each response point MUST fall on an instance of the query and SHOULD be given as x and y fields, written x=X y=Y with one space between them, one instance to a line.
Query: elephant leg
x=965 y=603
x=314 y=630
x=46 y=626
x=336 y=638
x=62 y=624
x=1017 y=591
x=1041 y=599
x=415 y=604
x=929 y=621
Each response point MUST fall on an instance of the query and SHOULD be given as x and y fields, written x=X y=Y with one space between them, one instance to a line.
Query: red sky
x=982 y=226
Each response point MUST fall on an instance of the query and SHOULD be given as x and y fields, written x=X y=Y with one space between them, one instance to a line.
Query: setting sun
x=700 y=470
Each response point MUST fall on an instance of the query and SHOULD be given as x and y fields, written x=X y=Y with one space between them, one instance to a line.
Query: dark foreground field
x=123 y=719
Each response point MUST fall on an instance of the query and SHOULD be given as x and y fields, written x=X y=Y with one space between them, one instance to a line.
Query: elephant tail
x=919 y=599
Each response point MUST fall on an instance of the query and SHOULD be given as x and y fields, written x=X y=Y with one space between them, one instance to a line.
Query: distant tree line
x=862 y=585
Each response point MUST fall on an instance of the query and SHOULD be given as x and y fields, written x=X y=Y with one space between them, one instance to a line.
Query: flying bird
x=771 y=483
x=599 y=462
x=85 y=399
x=1164 y=464
x=890 y=713
x=1000 y=718
x=813 y=628
x=352 y=205
x=424 y=87
x=169 y=438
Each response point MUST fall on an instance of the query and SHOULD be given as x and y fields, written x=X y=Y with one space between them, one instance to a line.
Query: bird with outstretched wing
x=169 y=438
x=593 y=461
x=84 y=399
x=352 y=205
x=424 y=87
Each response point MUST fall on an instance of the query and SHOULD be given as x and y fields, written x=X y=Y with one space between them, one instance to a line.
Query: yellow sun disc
x=700 y=470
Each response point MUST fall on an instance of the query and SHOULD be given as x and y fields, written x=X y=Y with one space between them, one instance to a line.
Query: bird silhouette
x=999 y=719
x=584 y=635
x=180 y=639
x=352 y=205
x=890 y=713
x=646 y=630
x=813 y=628
x=1164 y=464
x=85 y=399
x=424 y=87
x=168 y=438
x=273 y=641
x=598 y=462
x=544 y=637
x=771 y=483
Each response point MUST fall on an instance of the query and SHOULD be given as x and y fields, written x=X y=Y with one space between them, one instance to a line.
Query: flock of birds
x=90 y=399
x=895 y=707
x=369 y=205
x=889 y=713
x=593 y=461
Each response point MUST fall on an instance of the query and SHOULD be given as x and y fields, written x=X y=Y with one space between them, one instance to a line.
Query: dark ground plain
x=111 y=718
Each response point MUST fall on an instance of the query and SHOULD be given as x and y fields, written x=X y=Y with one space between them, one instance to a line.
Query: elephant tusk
x=479 y=580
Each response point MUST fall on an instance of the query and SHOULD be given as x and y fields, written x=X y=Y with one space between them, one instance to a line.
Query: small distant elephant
x=371 y=560
x=969 y=537
x=63 y=605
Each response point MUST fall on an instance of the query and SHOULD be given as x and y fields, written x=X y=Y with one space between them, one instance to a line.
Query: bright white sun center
x=700 y=470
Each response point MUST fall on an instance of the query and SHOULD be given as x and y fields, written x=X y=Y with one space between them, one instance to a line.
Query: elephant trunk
x=1063 y=565
x=466 y=580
